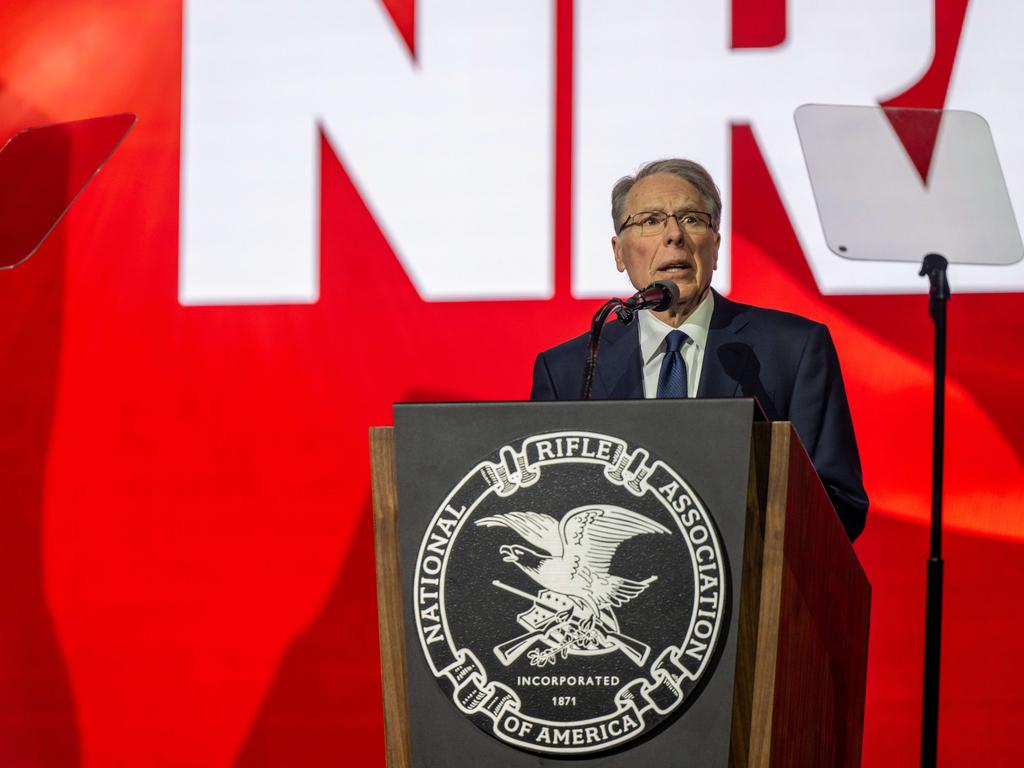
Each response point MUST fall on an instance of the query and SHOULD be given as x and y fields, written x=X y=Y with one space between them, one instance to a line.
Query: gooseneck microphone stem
x=596 y=325
x=934 y=267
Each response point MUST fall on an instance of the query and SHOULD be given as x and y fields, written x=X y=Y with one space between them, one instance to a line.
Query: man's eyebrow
x=676 y=211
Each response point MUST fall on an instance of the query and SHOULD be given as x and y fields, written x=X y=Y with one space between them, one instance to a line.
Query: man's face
x=686 y=259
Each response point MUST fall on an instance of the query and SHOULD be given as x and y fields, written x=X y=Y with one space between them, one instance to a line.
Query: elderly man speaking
x=666 y=220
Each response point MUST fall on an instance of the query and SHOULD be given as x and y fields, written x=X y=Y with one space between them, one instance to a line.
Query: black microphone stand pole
x=934 y=267
x=596 y=325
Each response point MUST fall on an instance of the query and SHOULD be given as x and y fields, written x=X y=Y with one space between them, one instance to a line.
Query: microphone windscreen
x=670 y=294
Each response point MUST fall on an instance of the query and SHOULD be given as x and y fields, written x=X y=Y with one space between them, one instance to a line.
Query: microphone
x=658 y=296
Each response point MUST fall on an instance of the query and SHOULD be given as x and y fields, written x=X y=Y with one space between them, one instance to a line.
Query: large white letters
x=452 y=152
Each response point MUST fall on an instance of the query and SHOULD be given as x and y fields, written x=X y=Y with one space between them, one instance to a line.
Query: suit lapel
x=619 y=367
x=726 y=356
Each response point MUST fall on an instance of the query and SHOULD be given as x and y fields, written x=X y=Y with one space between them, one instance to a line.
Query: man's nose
x=673 y=234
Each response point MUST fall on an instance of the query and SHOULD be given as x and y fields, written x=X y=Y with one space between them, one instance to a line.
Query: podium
x=752 y=652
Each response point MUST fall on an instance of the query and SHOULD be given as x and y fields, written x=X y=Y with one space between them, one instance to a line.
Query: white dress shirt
x=652 y=345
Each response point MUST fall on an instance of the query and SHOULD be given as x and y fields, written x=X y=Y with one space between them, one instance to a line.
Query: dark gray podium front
x=652 y=583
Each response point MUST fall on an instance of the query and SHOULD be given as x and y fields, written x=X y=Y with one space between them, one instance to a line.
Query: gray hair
x=687 y=170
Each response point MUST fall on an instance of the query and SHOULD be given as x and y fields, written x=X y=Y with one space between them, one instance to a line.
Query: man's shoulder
x=576 y=347
x=775 y=321
x=558 y=371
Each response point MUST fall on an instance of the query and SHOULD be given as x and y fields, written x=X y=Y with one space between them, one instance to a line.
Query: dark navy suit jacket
x=787 y=362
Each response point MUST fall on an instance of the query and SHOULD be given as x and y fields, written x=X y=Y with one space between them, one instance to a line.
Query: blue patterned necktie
x=672 y=379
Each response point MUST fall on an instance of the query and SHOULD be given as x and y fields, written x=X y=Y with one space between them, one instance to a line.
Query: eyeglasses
x=654 y=222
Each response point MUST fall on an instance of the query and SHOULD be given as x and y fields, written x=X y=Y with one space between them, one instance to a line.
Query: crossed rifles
x=545 y=629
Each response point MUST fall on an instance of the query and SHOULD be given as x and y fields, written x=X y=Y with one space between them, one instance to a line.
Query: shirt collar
x=653 y=331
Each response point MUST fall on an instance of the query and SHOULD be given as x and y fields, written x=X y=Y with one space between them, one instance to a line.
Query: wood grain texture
x=389 y=596
x=766 y=647
x=824 y=617
x=801 y=661
x=750 y=596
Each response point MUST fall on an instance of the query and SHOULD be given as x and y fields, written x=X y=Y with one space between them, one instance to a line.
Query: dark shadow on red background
x=38 y=724
x=323 y=706
x=325 y=699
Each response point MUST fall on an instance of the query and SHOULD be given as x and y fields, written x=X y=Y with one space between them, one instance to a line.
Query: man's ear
x=617 y=250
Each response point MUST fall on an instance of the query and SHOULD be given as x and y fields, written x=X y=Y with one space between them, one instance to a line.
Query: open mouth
x=509 y=554
x=675 y=268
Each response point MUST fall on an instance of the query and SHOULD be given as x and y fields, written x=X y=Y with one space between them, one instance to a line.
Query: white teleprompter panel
x=451 y=152
x=963 y=212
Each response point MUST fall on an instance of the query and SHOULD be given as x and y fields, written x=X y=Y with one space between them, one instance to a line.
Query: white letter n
x=451 y=152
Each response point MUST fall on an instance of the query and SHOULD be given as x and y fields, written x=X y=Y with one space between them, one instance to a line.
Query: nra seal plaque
x=570 y=593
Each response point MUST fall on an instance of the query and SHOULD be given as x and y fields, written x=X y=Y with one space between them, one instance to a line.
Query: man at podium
x=666 y=221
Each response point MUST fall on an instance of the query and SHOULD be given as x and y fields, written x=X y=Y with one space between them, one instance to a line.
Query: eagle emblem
x=573 y=613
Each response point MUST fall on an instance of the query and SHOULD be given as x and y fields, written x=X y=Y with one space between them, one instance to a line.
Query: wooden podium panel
x=801 y=637
x=389 y=596
x=804 y=618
